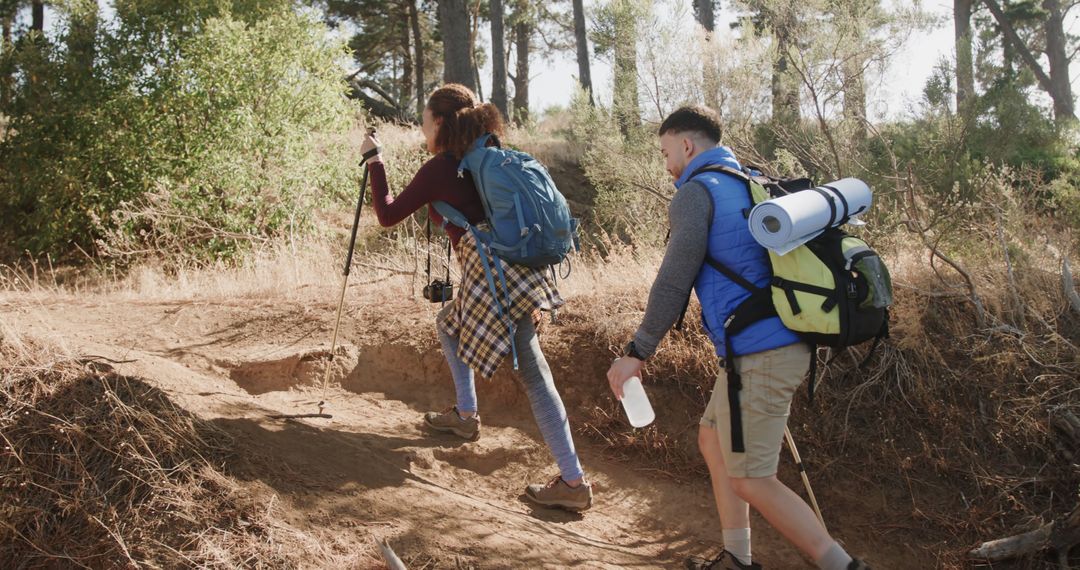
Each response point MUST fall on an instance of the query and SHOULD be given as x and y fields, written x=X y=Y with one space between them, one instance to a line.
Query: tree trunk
x=785 y=88
x=627 y=112
x=418 y=55
x=581 y=38
x=1008 y=58
x=82 y=35
x=406 y=93
x=37 y=10
x=703 y=9
x=498 y=58
x=474 y=30
x=852 y=70
x=965 y=76
x=522 y=35
x=785 y=92
x=855 y=95
x=6 y=83
x=1064 y=107
x=454 y=25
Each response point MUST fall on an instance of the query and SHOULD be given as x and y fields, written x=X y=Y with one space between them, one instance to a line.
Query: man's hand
x=622 y=370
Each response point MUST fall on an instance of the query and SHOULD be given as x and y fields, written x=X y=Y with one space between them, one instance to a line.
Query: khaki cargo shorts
x=769 y=380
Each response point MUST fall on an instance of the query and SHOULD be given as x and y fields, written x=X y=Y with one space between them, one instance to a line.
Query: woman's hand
x=370 y=142
x=622 y=370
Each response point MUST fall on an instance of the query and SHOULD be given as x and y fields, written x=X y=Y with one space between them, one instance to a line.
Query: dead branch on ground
x=1059 y=535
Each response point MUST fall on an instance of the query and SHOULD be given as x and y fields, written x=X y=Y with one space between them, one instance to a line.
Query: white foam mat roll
x=782 y=224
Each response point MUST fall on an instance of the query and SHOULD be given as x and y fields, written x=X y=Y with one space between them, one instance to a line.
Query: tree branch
x=914 y=224
x=369 y=84
x=1021 y=47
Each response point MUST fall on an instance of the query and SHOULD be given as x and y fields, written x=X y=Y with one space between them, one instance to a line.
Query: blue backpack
x=529 y=218
x=530 y=221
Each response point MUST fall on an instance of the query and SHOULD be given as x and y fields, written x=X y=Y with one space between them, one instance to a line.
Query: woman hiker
x=453 y=119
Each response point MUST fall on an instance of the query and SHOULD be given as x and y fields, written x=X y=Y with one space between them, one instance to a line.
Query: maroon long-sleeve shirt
x=437 y=179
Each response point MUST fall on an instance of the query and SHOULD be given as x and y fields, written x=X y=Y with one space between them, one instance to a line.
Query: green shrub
x=633 y=189
x=232 y=135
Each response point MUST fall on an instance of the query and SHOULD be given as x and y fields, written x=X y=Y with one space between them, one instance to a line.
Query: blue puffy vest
x=730 y=243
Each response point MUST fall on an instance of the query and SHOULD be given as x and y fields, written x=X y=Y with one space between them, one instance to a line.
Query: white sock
x=834 y=559
x=737 y=542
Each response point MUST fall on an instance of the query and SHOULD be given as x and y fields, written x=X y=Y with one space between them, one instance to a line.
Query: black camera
x=439 y=291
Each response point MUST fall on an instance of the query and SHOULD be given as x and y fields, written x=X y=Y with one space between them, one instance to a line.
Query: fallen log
x=1069 y=285
x=1066 y=428
x=1059 y=535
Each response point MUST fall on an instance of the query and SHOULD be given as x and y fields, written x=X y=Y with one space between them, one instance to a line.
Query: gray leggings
x=535 y=374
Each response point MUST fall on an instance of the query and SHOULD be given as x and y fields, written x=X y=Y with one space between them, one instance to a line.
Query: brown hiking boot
x=558 y=494
x=451 y=421
x=725 y=561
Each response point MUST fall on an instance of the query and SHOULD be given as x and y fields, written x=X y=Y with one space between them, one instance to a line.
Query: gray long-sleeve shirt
x=690 y=214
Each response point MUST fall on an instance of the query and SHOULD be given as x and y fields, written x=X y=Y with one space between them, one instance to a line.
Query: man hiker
x=708 y=224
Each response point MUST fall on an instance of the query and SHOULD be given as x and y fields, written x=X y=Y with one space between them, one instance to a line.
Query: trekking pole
x=345 y=272
x=805 y=479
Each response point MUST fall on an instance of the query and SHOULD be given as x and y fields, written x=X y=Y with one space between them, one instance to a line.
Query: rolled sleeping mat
x=784 y=223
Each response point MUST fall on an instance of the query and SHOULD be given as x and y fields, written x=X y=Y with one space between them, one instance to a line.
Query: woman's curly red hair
x=464 y=119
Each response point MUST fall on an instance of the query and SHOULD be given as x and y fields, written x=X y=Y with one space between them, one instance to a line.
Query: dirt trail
x=371 y=471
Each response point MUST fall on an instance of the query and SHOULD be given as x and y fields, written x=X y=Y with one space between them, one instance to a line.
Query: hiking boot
x=451 y=421
x=857 y=565
x=725 y=561
x=558 y=494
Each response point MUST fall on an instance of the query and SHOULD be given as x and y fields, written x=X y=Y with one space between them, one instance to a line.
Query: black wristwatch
x=632 y=351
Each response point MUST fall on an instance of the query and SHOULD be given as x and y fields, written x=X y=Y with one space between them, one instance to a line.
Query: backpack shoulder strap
x=451 y=215
x=741 y=175
x=714 y=263
x=723 y=269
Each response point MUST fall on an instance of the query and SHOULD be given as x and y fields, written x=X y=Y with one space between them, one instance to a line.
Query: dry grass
x=101 y=470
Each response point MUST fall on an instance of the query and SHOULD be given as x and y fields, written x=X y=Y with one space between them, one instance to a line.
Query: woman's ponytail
x=463 y=119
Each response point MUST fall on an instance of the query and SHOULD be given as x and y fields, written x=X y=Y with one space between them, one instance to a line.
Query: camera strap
x=448 y=252
x=428 y=226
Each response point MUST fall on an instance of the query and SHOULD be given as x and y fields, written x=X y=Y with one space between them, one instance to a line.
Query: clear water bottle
x=636 y=403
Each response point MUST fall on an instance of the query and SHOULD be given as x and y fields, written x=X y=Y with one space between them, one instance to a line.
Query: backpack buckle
x=852 y=291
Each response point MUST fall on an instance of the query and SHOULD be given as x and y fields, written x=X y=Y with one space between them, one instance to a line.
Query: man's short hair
x=693 y=118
